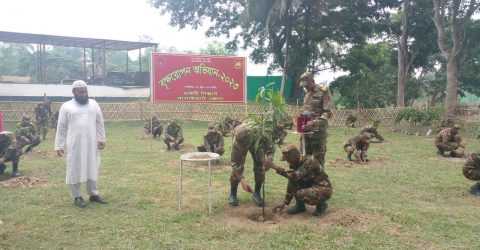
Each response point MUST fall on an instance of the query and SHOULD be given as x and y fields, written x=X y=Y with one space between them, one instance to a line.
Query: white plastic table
x=196 y=157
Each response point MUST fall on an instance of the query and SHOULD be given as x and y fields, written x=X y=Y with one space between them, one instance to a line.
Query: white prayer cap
x=79 y=84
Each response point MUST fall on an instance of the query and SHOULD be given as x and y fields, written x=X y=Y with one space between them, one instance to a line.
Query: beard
x=82 y=100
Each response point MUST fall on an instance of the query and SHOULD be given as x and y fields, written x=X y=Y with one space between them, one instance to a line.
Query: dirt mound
x=250 y=217
x=23 y=182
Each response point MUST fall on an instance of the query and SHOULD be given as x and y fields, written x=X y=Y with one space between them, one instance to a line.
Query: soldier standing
x=212 y=141
x=449 y=141
x=315 y=105
x=41 y=118
x=307 y=182
x=372 y=131
x=247 y=138
x=173 y=135
x=471 y=171
x=357 y=146
x=9 y=152
x=26 y=134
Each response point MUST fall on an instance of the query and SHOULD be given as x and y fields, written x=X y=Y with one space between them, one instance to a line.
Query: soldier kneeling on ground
x=173 y=135
x=449 y=142
x=307 y=182
x=357 y=146
x=154 y=127
x=350 y=121
x=26 y=135
x=9 y=152
x=372 y=131
x=471 y=171
x=212 y=141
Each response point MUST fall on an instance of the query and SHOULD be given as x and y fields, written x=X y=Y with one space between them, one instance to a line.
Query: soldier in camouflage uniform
x=449 y=141
x=42 y=116
x=315 y=104
x=26 y=135
x=212 y=141
x=372 y=131
x=54 y=120
x=173 y=135
x=446 y=123
x=471 y=171
x=246 y=139
x=307 y=182
x=357 y=146
x=351 y=120
x=154 y=127
x=9 y=152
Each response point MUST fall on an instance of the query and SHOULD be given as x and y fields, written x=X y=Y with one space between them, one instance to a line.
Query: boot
x=475 y=189
x=256 y=197
x=321 y=208
x=79 y=202
x=349 y=156
x=232 y=199
x=15 y=172
x=298 y=208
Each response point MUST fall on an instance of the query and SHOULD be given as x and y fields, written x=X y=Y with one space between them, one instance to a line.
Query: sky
x=107 y=19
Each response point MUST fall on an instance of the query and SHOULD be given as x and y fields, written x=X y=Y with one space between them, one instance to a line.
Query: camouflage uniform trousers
x=211 y=148
x=316 y=143
x=11 y=155
x=471 y=170
x=242 y=144
x=471 y=173
x=359 y=154
x=310 y=195
x=157 y=131
x=42 y=126
x=453 y=148
x=175 y=143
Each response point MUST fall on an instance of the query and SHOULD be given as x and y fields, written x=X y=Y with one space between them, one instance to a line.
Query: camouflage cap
x=305 y=76
x=290 y=151
x=211 y=126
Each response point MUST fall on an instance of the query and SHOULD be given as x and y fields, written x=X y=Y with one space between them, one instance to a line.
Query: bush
x=419 y=117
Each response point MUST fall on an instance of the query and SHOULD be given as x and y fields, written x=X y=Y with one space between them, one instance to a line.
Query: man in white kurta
x=80 y=136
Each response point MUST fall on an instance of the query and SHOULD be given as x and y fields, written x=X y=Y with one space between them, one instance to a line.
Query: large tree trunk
x=403 y=65
x=402 y=79
x=452 y=88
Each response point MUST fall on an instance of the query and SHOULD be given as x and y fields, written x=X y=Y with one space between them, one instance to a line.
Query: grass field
x=406 y=198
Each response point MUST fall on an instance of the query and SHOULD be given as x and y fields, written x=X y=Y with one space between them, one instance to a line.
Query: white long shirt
x=79 y=129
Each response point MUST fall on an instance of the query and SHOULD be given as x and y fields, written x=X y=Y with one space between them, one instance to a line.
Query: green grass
x=407 y=198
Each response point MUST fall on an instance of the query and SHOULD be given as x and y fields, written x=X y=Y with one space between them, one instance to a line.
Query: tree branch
x=438 y=16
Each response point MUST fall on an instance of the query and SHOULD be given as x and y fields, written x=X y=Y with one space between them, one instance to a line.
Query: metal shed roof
x=69 y=41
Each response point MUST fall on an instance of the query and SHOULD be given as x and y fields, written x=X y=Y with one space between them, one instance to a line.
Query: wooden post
x=85 y=73
x=140 y=60
x=93 y=64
